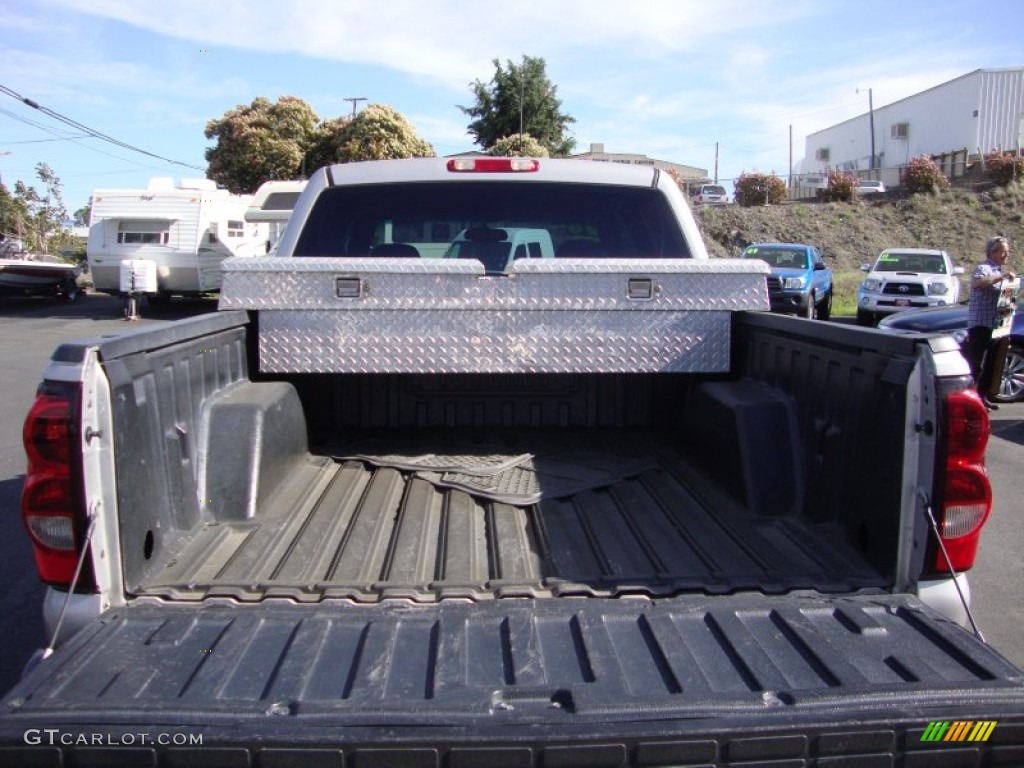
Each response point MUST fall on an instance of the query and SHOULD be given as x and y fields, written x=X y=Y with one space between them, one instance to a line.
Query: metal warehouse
x=956 y=123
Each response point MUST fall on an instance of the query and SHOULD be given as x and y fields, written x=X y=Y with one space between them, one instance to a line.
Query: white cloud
x=450 y=42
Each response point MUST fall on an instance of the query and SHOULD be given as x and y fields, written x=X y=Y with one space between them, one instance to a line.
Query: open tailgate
x=691 y=680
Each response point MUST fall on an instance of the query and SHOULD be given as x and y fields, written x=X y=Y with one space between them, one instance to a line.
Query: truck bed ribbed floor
x=365 y=529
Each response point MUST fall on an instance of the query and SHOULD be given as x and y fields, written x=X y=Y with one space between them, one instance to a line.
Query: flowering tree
x=378 y=132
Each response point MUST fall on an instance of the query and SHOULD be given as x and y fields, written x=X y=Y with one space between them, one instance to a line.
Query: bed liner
x=536 y=516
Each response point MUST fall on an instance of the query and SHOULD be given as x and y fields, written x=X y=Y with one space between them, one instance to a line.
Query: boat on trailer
x=23 y=273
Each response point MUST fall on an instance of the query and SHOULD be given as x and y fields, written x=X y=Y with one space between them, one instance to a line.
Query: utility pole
x=354 y=100
x=871 y=125
x=522 y=88
x=871 y=122
x=790 y=177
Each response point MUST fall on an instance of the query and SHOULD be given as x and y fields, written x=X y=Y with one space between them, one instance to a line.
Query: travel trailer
x=186 y=230
x=272 y=204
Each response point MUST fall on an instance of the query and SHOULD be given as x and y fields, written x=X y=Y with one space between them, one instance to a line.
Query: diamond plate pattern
x=453 y=284
x=446 y=316
x=413 y=341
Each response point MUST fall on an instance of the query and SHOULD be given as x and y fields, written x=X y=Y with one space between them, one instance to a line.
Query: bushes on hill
x=922 y=174
x=1004 y=167
x=759 y=189
x=841 y=187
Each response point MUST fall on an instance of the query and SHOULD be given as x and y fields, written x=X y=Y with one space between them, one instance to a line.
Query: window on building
x=236 y=228
x=900 y=130
x=822 y=154
x=140 y=232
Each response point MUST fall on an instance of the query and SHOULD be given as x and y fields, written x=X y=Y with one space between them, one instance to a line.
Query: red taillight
x=46 y=436
x=493 y=165
x=966 y=499
x=967 y=427
x=50 y=502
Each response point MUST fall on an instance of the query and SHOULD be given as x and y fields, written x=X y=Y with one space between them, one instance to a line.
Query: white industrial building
x=956 y=123
x=687 y=173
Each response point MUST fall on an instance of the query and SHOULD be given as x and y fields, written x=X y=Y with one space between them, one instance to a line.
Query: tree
x=14 y=214
x=326 y=148
x=37 y=220
x=83 y=215
x=260 y=141
x=378 y=132
x=519 y=98
x=286 y=140
x=518 y=145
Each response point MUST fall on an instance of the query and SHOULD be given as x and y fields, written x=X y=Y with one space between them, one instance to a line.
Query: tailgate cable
x=48 y=651
x=949 y=563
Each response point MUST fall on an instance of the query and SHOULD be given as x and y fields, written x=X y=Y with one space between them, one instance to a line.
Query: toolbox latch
x=640 y=289
x=348 y=287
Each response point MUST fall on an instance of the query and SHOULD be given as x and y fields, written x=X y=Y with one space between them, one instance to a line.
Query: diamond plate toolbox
x=345 y=315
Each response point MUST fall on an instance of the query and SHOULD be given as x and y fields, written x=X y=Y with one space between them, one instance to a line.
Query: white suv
x=710 y=194
x=902 y=278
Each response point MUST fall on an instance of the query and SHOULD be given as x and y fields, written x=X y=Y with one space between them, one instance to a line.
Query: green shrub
x=923 y=175
x=841 y=187
x=759 y=189
x=1004 y=167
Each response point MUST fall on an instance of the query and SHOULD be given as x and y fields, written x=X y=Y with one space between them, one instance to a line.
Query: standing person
x=986 y=287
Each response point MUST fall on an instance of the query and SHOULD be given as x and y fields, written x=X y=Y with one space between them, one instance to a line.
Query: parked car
x=953 y=320
x=800 y=283
x=904 y=278
x=711 y=194
x=870 y=187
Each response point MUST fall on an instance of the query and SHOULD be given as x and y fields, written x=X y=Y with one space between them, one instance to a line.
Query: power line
x=63 y=136
x=44 y=141
x=91 y=131
x=34 y=123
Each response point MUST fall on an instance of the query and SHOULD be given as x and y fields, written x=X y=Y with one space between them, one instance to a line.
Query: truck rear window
x=582 y=220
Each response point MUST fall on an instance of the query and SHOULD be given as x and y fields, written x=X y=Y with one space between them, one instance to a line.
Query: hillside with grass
x=850 y=234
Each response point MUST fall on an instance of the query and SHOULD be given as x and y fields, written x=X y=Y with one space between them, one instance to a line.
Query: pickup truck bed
x=627 y=514
x=504 y=485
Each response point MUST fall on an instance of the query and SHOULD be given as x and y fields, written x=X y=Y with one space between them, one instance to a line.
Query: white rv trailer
x=186 y=230
x=272 y=204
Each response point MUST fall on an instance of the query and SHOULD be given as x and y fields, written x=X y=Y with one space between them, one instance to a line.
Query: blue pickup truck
x=800 y=283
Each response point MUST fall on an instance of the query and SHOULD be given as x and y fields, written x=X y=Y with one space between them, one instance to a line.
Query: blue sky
x=667 y=78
